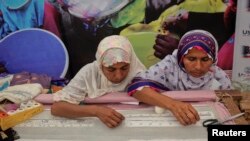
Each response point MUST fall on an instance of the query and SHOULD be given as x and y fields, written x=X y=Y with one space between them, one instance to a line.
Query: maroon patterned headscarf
x=200 y=39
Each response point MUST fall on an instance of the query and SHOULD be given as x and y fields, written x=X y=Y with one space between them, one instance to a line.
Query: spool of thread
x=159 y=110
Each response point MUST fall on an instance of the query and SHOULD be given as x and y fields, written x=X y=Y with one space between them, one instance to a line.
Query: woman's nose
x=198 y=65
x=119 y=75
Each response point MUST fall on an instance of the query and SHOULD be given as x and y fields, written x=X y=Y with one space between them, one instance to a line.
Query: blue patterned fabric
x=31 y=15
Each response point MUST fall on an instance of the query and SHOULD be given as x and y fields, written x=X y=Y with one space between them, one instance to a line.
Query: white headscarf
x=90 y=80
x=116 y=42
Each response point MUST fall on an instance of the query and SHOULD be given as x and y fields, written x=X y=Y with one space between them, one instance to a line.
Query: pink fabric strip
x=118 y=97
x=198 y=95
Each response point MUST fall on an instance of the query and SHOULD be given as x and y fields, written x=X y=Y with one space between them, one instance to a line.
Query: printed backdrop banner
x=241 y=63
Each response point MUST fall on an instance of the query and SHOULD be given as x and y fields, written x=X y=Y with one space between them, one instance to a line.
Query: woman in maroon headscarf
x=190 y=67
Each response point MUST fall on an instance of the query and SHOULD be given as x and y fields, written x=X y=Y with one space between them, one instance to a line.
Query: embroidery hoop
x=34 y=50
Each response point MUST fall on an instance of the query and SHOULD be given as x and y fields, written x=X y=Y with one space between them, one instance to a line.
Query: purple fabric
x=42 y=79
x=26 y=77
x=20 y=78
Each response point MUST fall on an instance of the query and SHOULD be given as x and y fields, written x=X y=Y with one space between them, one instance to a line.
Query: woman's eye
x=191 y=58
x=111 y=69
x=205 y=59
x=124 y=68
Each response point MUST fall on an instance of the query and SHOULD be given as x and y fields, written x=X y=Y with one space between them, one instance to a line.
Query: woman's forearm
x=65 y=109
x=110 y=117
x=150 y=96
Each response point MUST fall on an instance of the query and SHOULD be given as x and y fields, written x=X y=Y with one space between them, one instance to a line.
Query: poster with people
x=153 y=27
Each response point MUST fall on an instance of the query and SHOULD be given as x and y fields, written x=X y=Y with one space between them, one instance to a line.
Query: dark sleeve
x=139 y=82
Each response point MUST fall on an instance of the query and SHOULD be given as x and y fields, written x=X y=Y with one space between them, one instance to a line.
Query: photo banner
x=241 y=63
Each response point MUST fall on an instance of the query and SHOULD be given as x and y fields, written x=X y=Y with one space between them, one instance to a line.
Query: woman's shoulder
x=170 y=59
x=89 y=68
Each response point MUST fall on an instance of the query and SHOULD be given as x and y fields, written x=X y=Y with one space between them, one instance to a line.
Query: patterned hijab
x=114 y=49
x=205 y=41
x=199 y=39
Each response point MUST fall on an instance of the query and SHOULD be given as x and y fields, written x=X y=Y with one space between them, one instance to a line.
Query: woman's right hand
x=109 y=116
x=184 y=112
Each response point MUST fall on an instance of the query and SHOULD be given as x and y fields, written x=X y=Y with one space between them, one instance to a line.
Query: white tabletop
x=139 y=125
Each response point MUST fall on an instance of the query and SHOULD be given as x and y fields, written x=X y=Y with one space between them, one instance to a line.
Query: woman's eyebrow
x=125 y=65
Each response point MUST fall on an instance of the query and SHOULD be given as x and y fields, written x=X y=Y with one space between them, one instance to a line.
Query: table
x=140 y=125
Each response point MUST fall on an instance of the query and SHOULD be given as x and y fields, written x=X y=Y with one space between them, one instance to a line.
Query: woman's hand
x=176 y=26
x=184 y=112
x=109 y=116
x=177 y=23
x=165 y=45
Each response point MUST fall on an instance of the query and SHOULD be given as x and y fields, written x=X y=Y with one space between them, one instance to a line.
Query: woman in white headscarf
x=115 y=66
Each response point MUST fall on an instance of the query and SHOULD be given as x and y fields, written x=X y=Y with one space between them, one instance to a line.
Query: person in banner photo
x=115 y=66
x=190 y=67
x=22 y=14
x=223 y=29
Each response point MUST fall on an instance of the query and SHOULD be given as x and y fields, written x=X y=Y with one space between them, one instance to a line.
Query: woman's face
x=117 y=72
x=197 y=63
